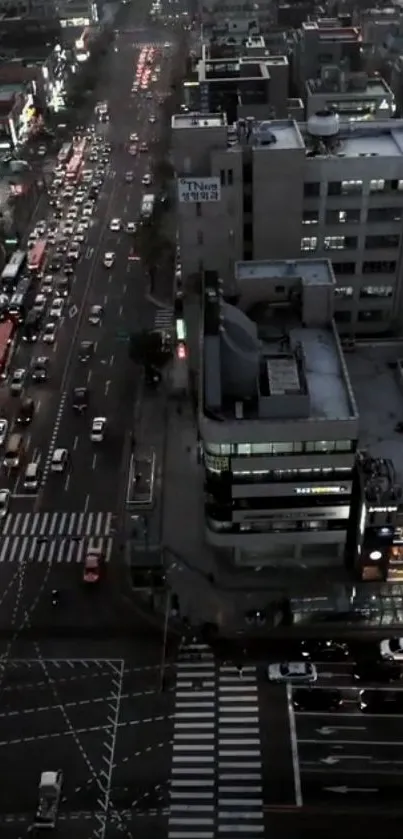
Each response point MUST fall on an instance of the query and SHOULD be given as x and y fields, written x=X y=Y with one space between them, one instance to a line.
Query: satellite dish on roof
x=324 y=125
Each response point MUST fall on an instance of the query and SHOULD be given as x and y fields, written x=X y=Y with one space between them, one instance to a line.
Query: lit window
x=334 y=243
x=377 y=185
x=344 y=291
x=310 y=217
x=350 y=187
x=309 y=243
x=376 y=291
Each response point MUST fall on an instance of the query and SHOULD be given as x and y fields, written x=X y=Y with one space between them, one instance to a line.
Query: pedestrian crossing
x=164 y=318
x=53 y=550
x=57 y=524
x=216 y=777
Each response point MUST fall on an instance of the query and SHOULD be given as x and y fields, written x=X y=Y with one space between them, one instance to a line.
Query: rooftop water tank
x=324 y=124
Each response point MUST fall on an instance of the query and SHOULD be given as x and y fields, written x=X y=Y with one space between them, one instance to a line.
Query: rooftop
x=350 y=87
x=275 y=356
x=196 y=120
x=278 y=134
x=379 y=393
x=311 y=271
x=372 y=138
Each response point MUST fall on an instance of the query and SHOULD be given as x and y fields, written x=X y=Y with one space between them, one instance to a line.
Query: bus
x=7 y=337
x=65 y=153
x=20 y=301
x=37 y=256
x=73 y=170
x=13 y=269
x=80 y=146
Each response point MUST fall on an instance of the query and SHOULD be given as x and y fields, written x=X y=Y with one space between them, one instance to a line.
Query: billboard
x=198 y=190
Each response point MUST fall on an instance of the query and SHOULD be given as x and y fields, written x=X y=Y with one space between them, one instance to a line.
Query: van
x=31 y=477
x=14 y=451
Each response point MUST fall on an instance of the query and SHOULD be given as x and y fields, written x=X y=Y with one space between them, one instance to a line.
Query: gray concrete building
x=276 y=190
x=278 y=421
x=355 y=97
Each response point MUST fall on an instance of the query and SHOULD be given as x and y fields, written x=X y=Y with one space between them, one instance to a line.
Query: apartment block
x=277 y=419
x=275 y=190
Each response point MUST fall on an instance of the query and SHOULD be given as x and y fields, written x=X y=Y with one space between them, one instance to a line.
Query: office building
x=322 y=43
x=276 y=190
x=277 y=419
x=353 y=96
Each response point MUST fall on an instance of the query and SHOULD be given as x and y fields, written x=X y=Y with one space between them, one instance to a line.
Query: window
x=377 y=185
x=344 y=291
x=384 y=266
x=247 y=232
x=339 y=243
x=343 y=216
x=200 y=237
x=376 y=291
x=384 y=214
x=222 y=177
x=342 y=268
x=326 y=446
x=390 y=240
x=312 y=189
x=341 y=316
x=334 y=188
x=351 y=187
x=198 y=209
x=247 y=203
x=309 y=243
x=230 y=176
x=396 y=186
x=310 y=217
x=370 y=315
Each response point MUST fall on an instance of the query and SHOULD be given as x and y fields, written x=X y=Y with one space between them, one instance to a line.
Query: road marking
x=107 y=385
x=73 y=311
x=294 y=747
x=88 y=253
x=325 y=730
x=53 y=439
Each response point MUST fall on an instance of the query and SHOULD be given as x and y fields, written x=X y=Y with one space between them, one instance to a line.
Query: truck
x=147 y=206
x=50 y=787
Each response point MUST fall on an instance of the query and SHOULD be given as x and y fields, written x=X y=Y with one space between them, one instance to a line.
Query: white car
x=297 y=672
x=47 y=284
x=115 y=225
x=131 y=227
x=82 y=227
x=59 y=460
x=32 y=238
x=392 y=648
x=72 y=214
x=98 y=429
x=40 y=227
x=146 y=180
x=39 y=303
x=4 y=502
x=87 y=211
x=17 y=382
x=95 y=315
x=79 y=238
x=51 y=237
x=56 y=308
x=49 y=333
x=3 y=431
x=109 y=259
x=74 y=252
x=68 y=228
x=152 y=120
x=79 y=198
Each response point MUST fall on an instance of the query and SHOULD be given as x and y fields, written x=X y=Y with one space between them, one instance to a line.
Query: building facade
x=278 y=421
x=276 y=190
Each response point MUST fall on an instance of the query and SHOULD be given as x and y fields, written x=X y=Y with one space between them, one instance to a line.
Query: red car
x=92 y=568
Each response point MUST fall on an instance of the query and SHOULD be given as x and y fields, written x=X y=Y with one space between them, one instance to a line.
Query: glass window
x=212 y=448
x=225 y=448
x=334 y=188
x=309 y=243
x=344 y=445
x=390 y=240
x=262 y=448
x=384 y=214
x=377 y=185
x=370 y=315
x=244 y=448
x=312 y=189
x=230 y=175
x=351 y=187
x=344 y=267
x=283 y=448
x=382 y=266
x=334 y=243
x=343 y=216
x=376 y=291
x=318 y=446
x=344 y=291
x=310 y=217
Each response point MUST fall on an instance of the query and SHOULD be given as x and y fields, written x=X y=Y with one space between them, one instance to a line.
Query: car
x=82 y=227
x=392 y=648
x=87 y=211
x=95 y=315
x=40 y=227
x=42 y=150
x=292 y=671
x=47 y=284
x=143 y=147
x=74 y=251
x=39 y=304
x=32 y=326
x=49 y=333
x=93 y=157
x=78 y=239
x=3 y=431
x=109 y=259
x=129 y=177
x=80 y=399
x=62 y=246
x=376 y=669
x=51 y=237
x=98 y=429
x=55 y=264
x=68 y=229
x=152 y=119
x=17 y=381
x=134 y=137
x=324 y=650
x=32 y=476
x=69 y=268
x=146 y=180
x=59 y=460
x=380 y=702
x=115 y=224
x=56 y=309
x=26 y=412
x=311 y=699
x=131 y=227
x=149 y=94
x=86 y=351
x=40 y=369
x=133 y=150
x=93 y=193
x=92 y=567
x=5 y=496
x=63 y=287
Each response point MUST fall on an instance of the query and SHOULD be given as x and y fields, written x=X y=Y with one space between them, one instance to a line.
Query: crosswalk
x=53 y=551
x=164 y=318
x=57 y=524
x=216 y=778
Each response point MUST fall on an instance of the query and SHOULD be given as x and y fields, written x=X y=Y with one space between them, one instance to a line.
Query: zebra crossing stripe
x=57 y=524
x=55 y=551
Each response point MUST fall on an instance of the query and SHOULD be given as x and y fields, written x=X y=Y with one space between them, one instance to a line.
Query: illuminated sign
x=216 y=464
x=199 y=191
x=335 y=490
